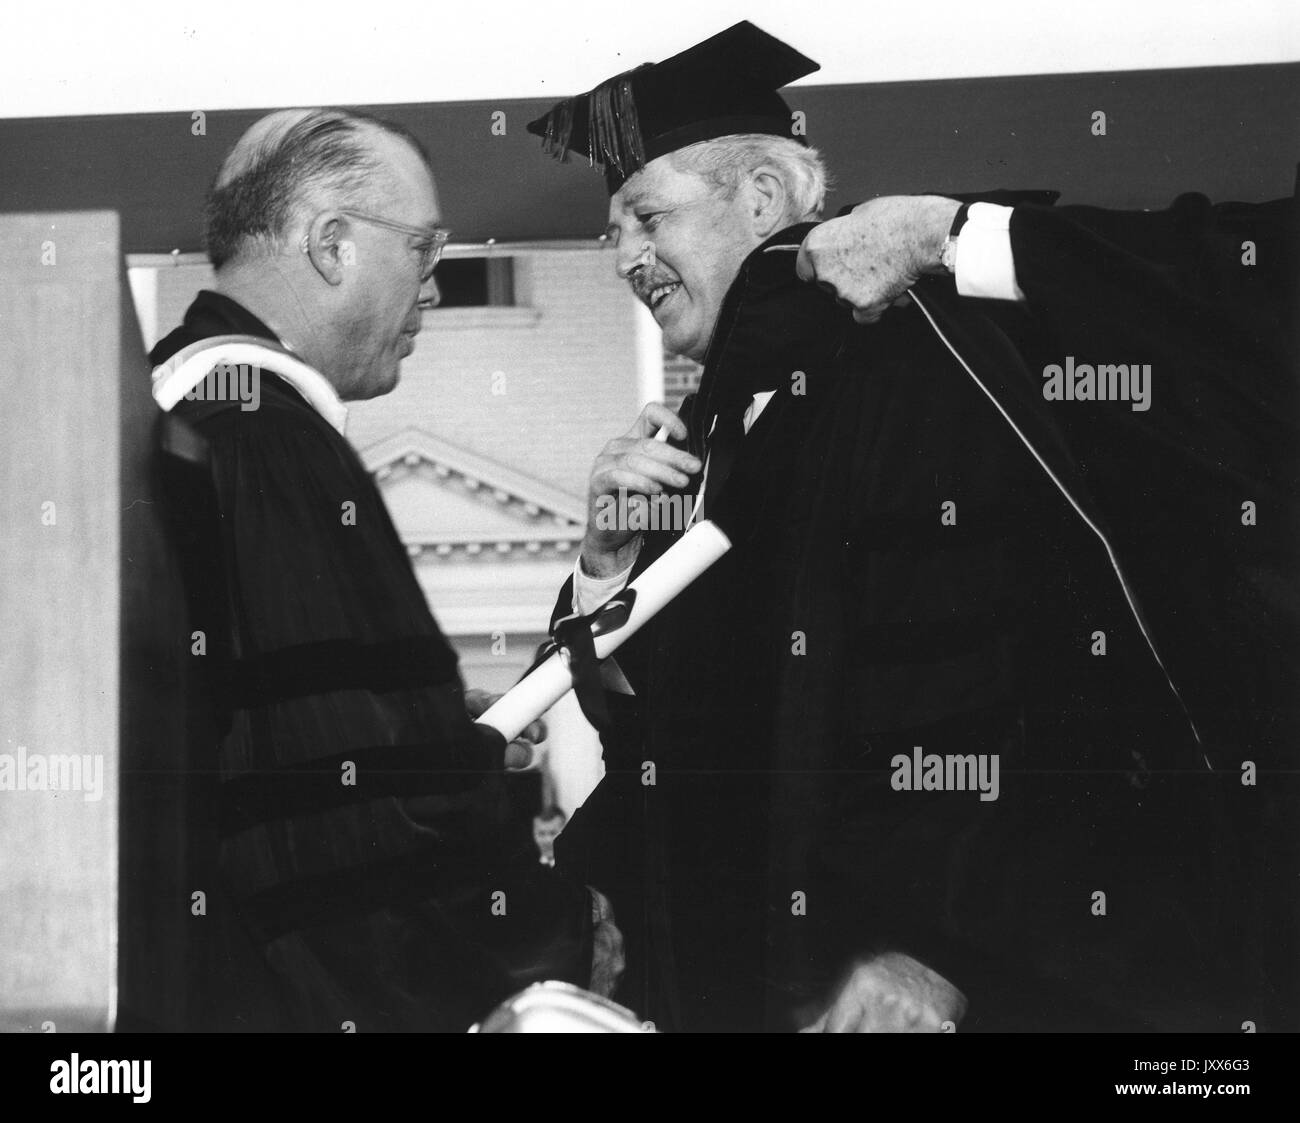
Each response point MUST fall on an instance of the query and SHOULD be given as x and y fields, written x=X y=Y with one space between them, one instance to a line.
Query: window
x=476 y=282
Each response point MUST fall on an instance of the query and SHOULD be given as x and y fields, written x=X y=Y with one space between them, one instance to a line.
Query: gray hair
x=727 y=160
x=284 y=164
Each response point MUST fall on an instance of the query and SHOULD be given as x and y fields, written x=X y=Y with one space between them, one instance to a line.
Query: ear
x=328 y=247
x=769 y=202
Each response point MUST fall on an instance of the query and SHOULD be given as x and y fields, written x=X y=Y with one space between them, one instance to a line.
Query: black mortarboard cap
x=727 y=84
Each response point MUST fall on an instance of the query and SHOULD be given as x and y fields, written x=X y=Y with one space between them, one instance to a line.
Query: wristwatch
x=948 y=256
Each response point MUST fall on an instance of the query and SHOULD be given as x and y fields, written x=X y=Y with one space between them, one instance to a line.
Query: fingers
x=815 y=264
x=872 y=313
x=819 y=261
x=658 y=416
x=519 y=755
x=478 y=701
x=900 y=1013
x=628 y=469
x=646 y=466
x=846 y=1012
x=867 y=259
x=640 y=463
x=626 y=484
x=876 y=998
x=653 y=461
x=608 y=961
x=882 y=1011
x=621 y=449
x=804 y=268
x=928 y=1021
x=601 y=909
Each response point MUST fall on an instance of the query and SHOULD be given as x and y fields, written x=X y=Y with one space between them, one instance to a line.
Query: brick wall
x=539 y=388
x=681 y=377
x=566 y=351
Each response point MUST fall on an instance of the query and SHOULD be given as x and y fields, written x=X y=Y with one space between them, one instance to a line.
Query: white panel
x=144 y=293
x=59 y=665
x=649 y=357
x=159 y=55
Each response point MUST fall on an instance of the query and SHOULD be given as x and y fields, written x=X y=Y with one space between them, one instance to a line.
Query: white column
x=649 y=357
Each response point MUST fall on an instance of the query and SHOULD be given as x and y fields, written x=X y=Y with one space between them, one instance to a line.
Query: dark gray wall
x=1229 y=132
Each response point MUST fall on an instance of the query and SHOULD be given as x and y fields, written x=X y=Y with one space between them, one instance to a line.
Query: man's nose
x=633 y=256
x=430 y=296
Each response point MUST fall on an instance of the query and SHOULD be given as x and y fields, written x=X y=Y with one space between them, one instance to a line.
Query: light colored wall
x=538 y=393
x=538 y=388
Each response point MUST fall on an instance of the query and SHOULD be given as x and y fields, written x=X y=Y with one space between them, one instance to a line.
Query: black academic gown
x=905 y=573
x=358 y=821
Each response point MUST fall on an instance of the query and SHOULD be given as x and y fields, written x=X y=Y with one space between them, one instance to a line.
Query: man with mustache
x=904 y=577
x=360 y=878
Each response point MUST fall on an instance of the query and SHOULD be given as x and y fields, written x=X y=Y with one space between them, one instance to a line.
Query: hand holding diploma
x=681 y=564
x=521 y=751
x=629 y=469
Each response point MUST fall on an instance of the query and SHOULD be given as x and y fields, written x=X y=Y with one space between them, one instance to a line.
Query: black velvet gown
x=365 y=868
x=852 y=621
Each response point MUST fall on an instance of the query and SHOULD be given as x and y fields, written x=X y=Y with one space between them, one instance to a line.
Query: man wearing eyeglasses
x=360 y=875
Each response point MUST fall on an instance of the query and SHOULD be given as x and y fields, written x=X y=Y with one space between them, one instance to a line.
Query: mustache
x=643 y=284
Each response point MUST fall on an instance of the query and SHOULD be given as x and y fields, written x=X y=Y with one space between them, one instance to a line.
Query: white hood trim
x=183 y=372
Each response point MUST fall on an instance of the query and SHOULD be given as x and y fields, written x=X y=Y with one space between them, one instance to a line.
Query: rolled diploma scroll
x=662 y=580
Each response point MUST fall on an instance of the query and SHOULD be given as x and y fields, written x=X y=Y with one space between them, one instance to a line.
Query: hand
x=892 y=993
x=522 y=751
x=870 y=258
x=633 y=465
x=607 y=960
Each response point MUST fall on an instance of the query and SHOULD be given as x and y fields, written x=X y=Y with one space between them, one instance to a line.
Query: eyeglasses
x=430 y=245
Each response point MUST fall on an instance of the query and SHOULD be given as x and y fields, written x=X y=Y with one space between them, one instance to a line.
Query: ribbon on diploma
x=574 y=638
x=579 y=643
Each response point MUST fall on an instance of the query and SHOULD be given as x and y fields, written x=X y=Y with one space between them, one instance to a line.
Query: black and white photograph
x=723 y=518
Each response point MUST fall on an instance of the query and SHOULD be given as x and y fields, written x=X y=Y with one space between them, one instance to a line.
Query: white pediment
x=446 y=500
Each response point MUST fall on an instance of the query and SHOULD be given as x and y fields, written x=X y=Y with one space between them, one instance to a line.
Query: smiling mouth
x=660 y=293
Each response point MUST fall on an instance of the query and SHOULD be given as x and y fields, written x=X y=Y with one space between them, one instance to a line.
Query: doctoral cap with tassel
x=725 y=85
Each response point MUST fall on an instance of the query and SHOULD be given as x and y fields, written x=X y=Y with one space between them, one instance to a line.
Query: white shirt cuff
x=984 y=266
x=589 y=593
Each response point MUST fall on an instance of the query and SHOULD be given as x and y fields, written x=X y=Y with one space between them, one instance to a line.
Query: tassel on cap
x=613 y=137
x=725 y=85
